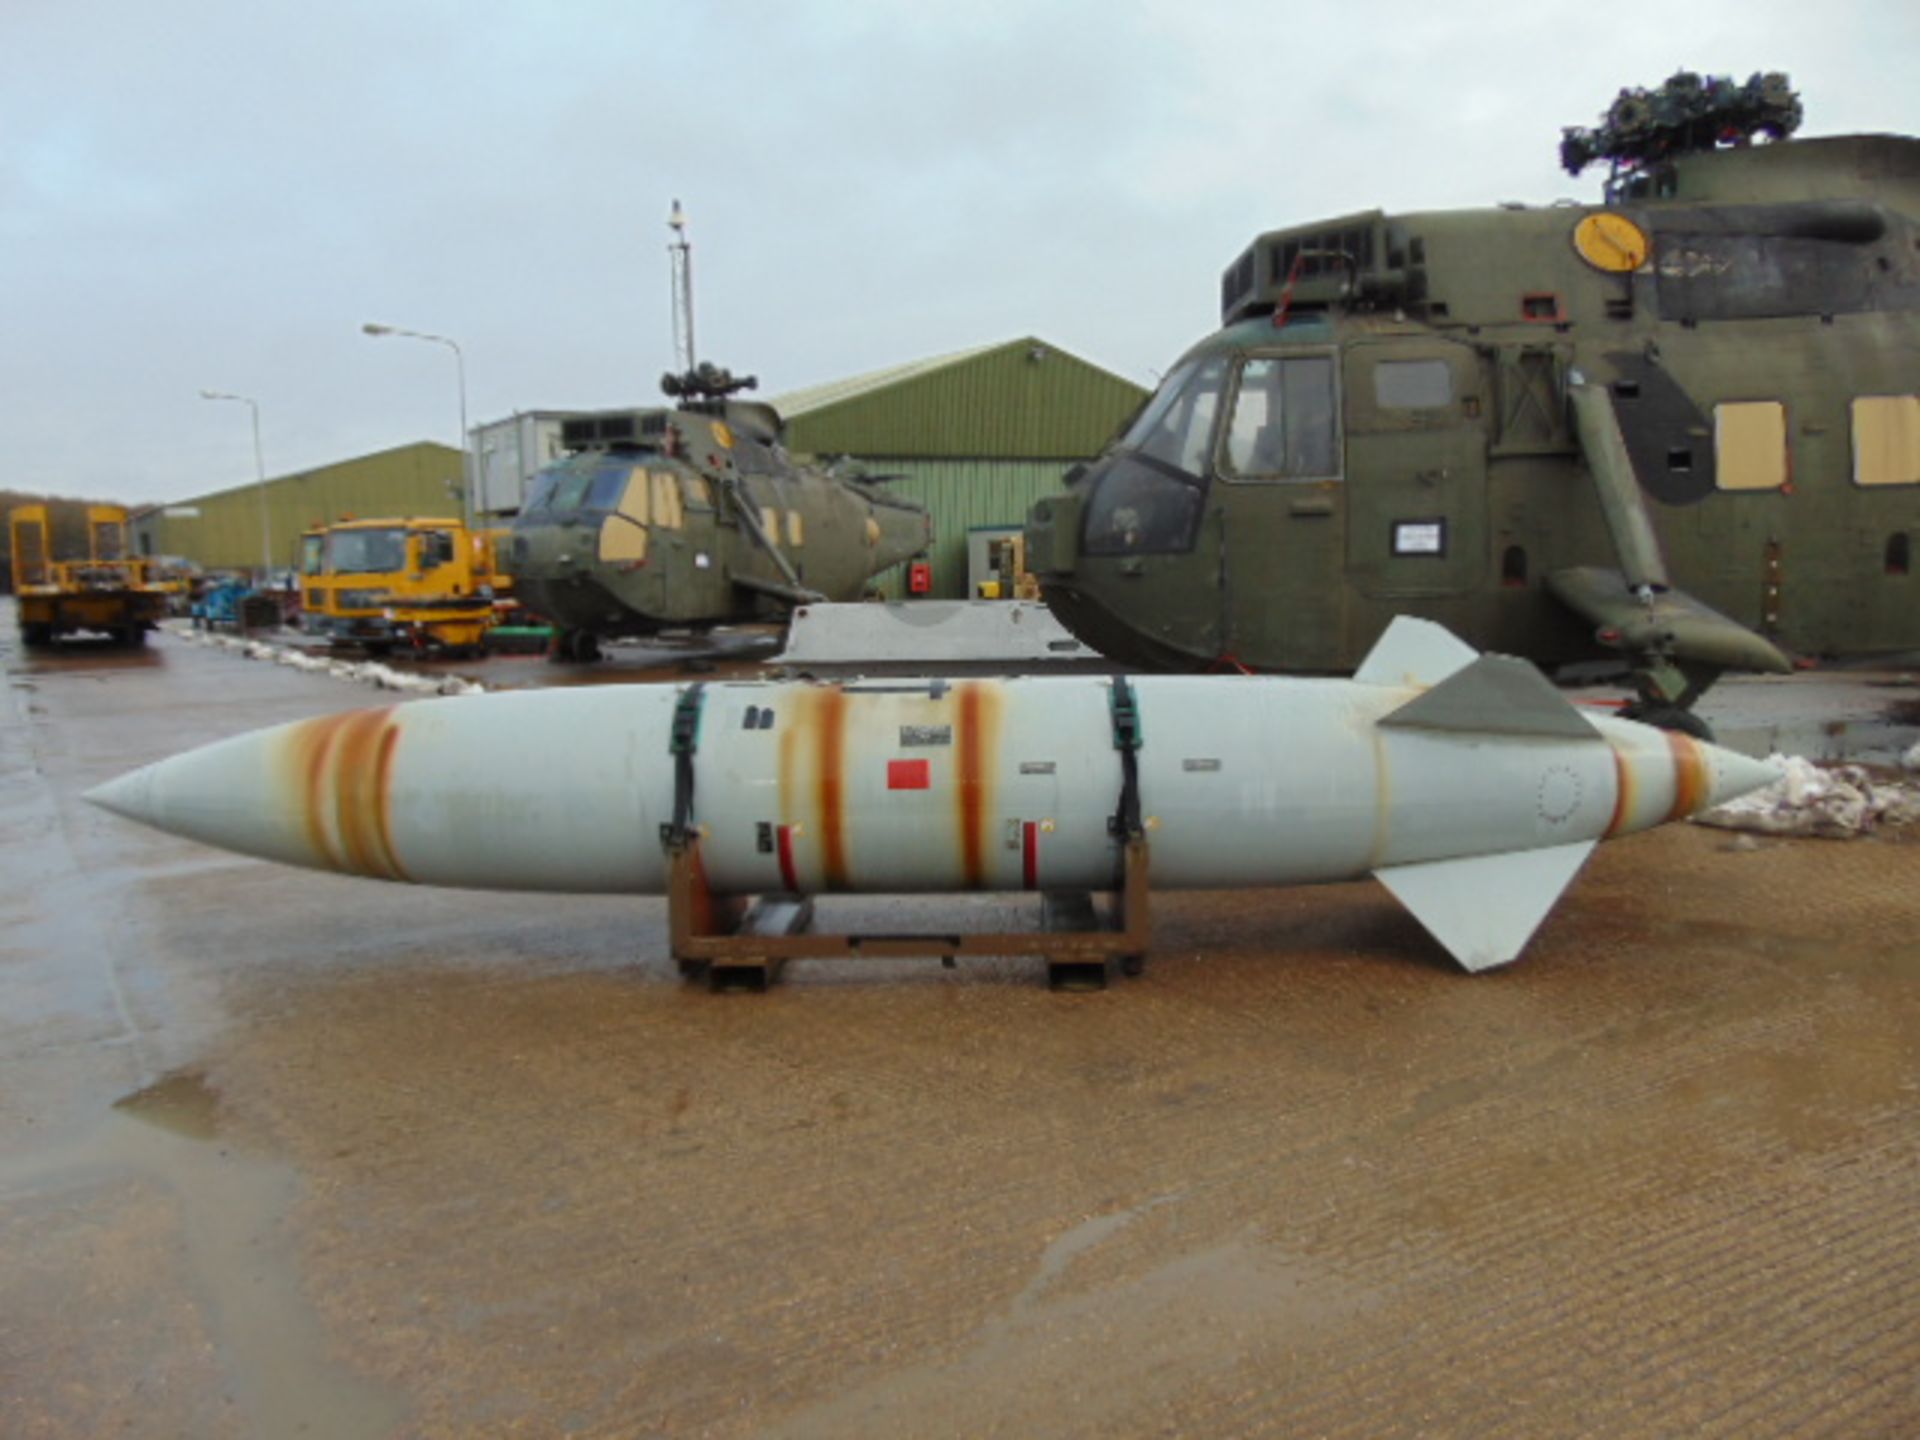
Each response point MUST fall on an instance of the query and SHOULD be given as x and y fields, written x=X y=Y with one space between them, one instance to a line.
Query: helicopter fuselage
x=1698 y=404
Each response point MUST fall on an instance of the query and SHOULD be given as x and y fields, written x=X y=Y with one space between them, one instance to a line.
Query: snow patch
x=1843 y=802
x=361 y=672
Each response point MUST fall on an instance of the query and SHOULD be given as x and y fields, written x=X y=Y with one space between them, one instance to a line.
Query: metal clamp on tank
x=683 y=741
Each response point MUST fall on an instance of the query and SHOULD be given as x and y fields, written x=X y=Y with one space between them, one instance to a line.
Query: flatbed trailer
x=108 y=592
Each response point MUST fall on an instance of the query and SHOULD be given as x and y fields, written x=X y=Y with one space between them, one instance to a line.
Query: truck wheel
x=574 y=647
x=36 y=635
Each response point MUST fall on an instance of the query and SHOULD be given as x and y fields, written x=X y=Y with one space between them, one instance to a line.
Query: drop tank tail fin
x=1495 y=695
x=1485 y=908
x=1414 y=652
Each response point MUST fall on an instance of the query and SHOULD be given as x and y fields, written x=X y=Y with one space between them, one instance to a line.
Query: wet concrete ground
x=292 y=1154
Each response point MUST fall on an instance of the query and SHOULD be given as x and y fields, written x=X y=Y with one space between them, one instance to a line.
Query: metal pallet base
x=741 y=943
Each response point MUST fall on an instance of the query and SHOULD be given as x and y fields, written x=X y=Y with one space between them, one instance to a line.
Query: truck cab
x=415 y=582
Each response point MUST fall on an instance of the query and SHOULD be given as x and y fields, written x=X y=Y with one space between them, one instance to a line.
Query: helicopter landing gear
x=1667 y=692
x=1669 y=717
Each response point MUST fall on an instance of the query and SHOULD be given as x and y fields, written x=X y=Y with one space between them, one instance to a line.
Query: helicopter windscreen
x=1175 y=428
x=1146 y=496
x=570 y=488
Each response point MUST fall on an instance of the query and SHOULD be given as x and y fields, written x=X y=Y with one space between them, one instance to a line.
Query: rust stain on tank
x=312 y=745
x=1690 y=780
x=830 y=783
x=1623 y=796
x=344 y=765
x=976 y=735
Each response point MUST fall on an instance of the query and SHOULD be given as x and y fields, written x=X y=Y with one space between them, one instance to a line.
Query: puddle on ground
x=1178 y=1309
x=273 y=1350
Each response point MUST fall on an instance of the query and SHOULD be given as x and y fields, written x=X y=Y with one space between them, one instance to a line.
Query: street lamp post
x=260 y=476
x=460 y=370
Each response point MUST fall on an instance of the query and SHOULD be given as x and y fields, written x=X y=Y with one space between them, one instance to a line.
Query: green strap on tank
x=1124 y=711
x=683 y=741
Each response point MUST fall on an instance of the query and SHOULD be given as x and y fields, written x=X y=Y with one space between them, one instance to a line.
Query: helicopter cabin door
x=1416 y=472
x=1280 y=512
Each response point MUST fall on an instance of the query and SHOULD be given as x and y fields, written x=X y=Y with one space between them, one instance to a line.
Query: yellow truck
x=428 y=585
x=108 y=591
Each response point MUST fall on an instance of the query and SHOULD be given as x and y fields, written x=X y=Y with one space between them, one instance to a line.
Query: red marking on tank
x=1030 y=856
x=789 y=877
x=1690 y=781
x=1622 y=793
x=830 y=785
x=909 y=775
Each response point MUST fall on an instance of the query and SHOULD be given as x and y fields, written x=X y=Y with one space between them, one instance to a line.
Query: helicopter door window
x=1412 y=384
x=1750 y=445
x=633 y=502
x=1283 y=420
x=694 y=492
x=1886 y=440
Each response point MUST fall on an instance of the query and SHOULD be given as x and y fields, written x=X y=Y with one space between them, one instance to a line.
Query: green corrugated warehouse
x=222 y=530
x=976 y=436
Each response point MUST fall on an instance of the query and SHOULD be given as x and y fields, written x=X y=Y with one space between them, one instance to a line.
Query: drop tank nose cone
x=1734 y=775
x=129 y=796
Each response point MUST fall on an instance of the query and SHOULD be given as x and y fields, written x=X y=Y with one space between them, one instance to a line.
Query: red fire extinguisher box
x=919 y=578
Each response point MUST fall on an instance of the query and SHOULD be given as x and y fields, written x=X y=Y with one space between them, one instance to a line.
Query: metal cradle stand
x=741 y=944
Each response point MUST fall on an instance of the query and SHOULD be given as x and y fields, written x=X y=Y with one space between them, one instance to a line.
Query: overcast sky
x=206 y=194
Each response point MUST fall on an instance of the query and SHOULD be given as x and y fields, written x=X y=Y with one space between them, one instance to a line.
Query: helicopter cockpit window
x=1412 y=384
x=1138 y=507
x=1283 y=420
x=570 y=491
x=607 y=487
x=1177 y=425
x=541 y=495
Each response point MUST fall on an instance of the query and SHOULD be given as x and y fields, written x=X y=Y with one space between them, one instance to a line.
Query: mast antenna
x=680 y=251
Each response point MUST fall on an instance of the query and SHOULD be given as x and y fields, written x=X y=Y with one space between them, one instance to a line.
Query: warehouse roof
x=816 y=397
x=1018 y=399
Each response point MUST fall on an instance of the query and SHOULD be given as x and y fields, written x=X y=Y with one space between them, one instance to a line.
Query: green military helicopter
x=695 y=516
x=1679 y=428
